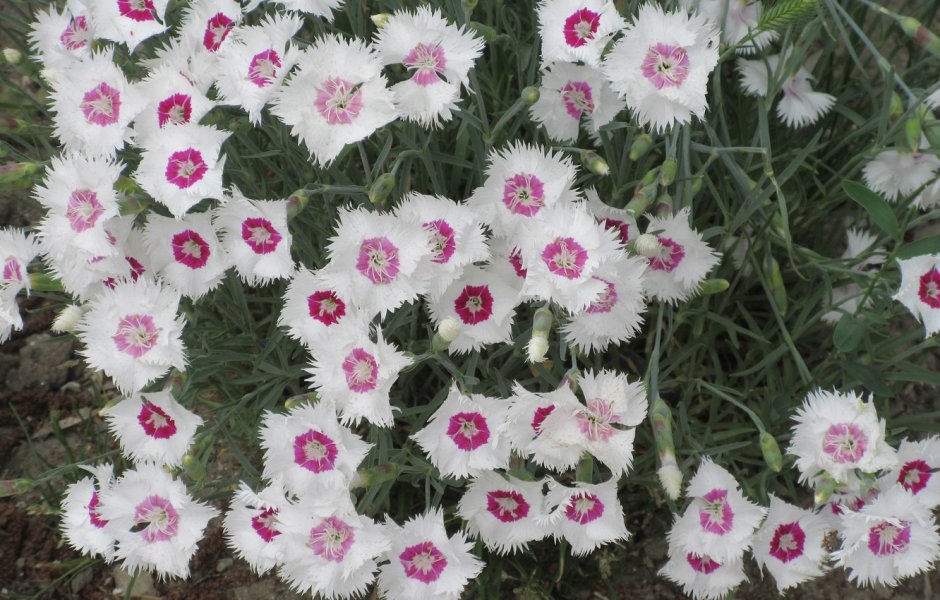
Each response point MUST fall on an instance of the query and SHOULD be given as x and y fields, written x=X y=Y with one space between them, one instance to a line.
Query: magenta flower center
x=930 y=288
x=668 y=255
x=423 y=562
x=136 y=269
x=185 y=167
x=101 y=105
x=190 y=249
x=507 y=505
x=581 y=27
x=701 y=564
x=665 y=65
x=260 y=235
x=137 y=10
x=524 y=194
x=787 y=542
x=157 y=519
x=136 y=335
x=361 y=370
x=13 y=270
x=262 y=70
x=155 y=422
x=845 y=442
x=888 y=538
x=378 y=260
x=914 y=475
x=565 y=257
x=75 y=35
x=577 y=98
x=606 y=301
x=597 y=421
x=584 y=507
x=326 y=306
x=620 y=228
x=83 y=210
x=265 y=524
x=428 y=62
x=716 y=516
x=515 y=259
x=442 y=240
x=93 y=515
x=541 y=413
x=331 y=539
x=217 y=29
x=474 y=304
x=315 y=451
x=174 y=110
x=338 y=101
x=468 y=430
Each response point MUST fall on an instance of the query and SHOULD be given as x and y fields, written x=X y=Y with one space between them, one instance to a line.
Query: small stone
x=143 y=585
x=223 y=565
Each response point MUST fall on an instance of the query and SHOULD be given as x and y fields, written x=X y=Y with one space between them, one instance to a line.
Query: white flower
x=256 y=237
x=506 y=513
x=701 y=576
x=93 y=105
x=59 y=39
x=314 y=311
x=424 y=564
x=182 y=55
x=251 y=527
x=127 y=21
x=328 y=549
x=252 y=66
x=897 y=174
x=521 y=180
x=661 y=66
x=154 y=520
x=570 y=94
x=681 y=262
x=153 y=427
x=737 y=19
x=920 y=289
x=132 y=333
x=720 y=521
x=917 y=470
x=576 y=30
x=790 y=544
x=621 y=221
x=375 y=259
x=172 y=100
x=846 y=298
x=337 y=96
x=462 y=437
x=611 y=399
x=436 y=55
x=801 y=105
x=182 y=166
x=207 y=25
x=82 y=525
x=525 y=426
x=309 y=450
x=587 y=516
x=455 y=237
x=837 y=433
x=17 y=250
x=186 y=252
x=892 y=538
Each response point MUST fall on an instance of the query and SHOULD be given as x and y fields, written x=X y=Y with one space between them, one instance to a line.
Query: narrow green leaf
x=928 y=245
x=848 y=334
x=876 y=207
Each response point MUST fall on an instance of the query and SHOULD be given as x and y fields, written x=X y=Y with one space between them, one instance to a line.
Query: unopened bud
x=380 y=19
x=912 y=132
x=542 y=322
x=669 y=169
x=571 y=379
x=825 y=486
x=897 y=107
x=595 y=163
x=530 y=95
x=670 y=477
x=536 y=349
x=646 y=245
x=449 y=329
x=43 y=282
x=771 y=452
x=439 y=344
x=713 y=286
x=697 y=183
x=669 y=474
x=381 y=188
x=18 y=173
x=67 y=319
x=12 y=487
x=194 y=469
x=295 y=401
x=297 y=202
x=486 y=32
x=641 y=145
x=12 y=55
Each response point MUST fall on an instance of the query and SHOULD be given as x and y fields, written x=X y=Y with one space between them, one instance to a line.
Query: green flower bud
x=594 y=163
x=912 y=131
x=530 y=95
x=641 y=145
x=825 y=486
x=771 y=452
x=713 y=286
x=486 y=32
x=12 y=487
x=381 y=188
x=297 y=202
x=380 y=19
x=542 y=322
x=669 y=169
x=897 y=107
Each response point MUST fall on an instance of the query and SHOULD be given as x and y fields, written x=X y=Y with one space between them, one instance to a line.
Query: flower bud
x=43 y=282
x=594 y=163
x=439 y=344
x=381 y=188
x=897 y=107
x=646 y=245
x=713 y=286
x=536 y=349
x=19 y=174
x=299 y=399
x=67 y=319
x=697 y=183
x=12 y=487
x=380 y=19
x=194 y=469
x=530 y=95
x=297 y=202
x=542 y=322
x=825 y=486
x=449 y=329
x=912 y=131
x=486 y=32
x=669 y=169
x=641 y=145
x=771 y=452
x=12 y=55
x=670 y=477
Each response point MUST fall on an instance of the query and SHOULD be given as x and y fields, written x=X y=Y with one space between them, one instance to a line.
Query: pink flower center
x=442 y=240
x=174 y=110
x=155 y=519
x=887 y=538
x=428 y=61
x=716 y=515
x=136 y=335
x=13 y=270
x=787 y=542
x=577 y=97
x=665 y=65
x=265 y=524
x=260 y=235
x=597 y=421
x=701 y=563
x=75 y=35
x=506 y=505
x=93 y=515
x=468 y=430
x=565 y=257
x=668 y=256
x=83 y=210
x=326 y=306
x=217 y=29
x=137 y=10
x=845 y=442
x=423 y=562
x=620 y=228
x=185 y=168
x=331 y=539
x=315 y=451
x=584 y=507
x=524 y=194
x=262 y=70
x=541 y=413
x=606 y=301
x=190 y=249
x=930 y=288
x=378 y=260
x=362 y=371
x=338 y=101
x=515 y=259
x=581 y=27
x=155 y=422
x=914 y=475
x=101 y=105
x=474 y=304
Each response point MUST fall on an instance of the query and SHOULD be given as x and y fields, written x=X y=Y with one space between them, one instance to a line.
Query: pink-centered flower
x=263 y=67
x=157 y=518
x=565 y=257
x=524 y=194
x=101 y=105
x=442 y=240
x=315 y=451
x=332 y=539
x=423 y=562
x=378 y=260
x=474 y=304
x=338 y=101
x=468 y=430
x=83 y=209
x=665 y=65
x=75 y=35
x=260 y=235
x=580 y=27
x=175 y=110
x=265 y=524
x=584 y=507
x=136 y=334
x=185 y=167
x=155 y=422
x=190 y=249
x=361 y=370
x=668 y=256
x=217 y=29
x=137 y=10
x=326 y=307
